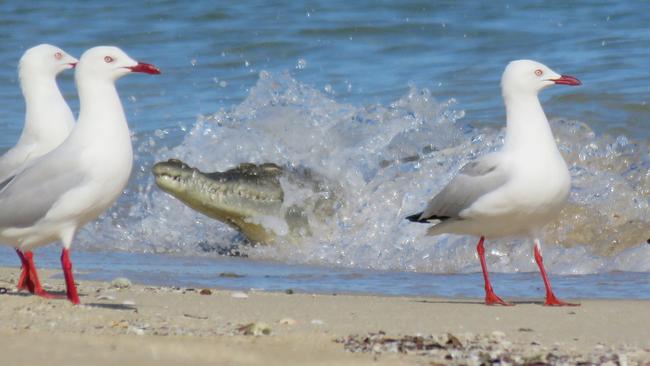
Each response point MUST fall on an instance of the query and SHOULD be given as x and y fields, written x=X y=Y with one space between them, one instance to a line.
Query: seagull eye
x=58 y=55
x=539 y=72
x=108 y=59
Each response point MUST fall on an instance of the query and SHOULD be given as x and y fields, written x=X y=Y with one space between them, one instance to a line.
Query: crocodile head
x=236 y=196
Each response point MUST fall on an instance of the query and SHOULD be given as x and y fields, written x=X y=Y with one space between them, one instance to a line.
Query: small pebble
x=288 y=291
x=121 y=282
x=206 y=291
x=135 y=330
x=317 y=322
x=239 y=295
x=288 y=321
x=255 y=329
x=121 y=324
x=453 y=341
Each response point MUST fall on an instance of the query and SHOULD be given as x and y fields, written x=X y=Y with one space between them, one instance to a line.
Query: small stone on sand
x=287 y=321
x=121 y=282
x=255 y=329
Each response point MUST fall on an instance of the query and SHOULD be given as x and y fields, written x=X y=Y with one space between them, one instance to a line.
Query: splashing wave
x=388 y=159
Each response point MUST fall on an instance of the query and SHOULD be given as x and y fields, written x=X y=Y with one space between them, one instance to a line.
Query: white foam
x=275 y=224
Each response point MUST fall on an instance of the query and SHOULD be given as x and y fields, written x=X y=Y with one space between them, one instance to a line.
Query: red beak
x=73 y=64
x=145 y=68
x=567 y=80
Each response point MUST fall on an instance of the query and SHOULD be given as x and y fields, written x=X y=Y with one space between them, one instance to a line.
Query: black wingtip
x=414 y=218
x=425 y=220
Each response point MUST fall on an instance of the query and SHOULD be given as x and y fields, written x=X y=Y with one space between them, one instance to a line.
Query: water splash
x=389 y=160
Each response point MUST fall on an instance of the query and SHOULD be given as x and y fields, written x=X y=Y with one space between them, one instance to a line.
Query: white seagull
x=48 y=121
x=55 y=195
x=517 y=190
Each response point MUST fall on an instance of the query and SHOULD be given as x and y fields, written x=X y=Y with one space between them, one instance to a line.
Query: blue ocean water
x=343 y=88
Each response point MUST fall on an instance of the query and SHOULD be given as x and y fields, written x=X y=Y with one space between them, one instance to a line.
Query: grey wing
x=6 y=182
x=474 y=180
x=28 y=196
x=11 y=162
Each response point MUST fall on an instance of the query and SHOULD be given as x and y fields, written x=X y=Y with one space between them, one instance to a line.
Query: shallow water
x=354 y=91
x=246 y=274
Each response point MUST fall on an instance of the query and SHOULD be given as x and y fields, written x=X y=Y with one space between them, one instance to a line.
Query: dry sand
x=142 y=325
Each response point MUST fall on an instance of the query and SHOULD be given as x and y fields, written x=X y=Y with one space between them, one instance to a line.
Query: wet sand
x=143 y=325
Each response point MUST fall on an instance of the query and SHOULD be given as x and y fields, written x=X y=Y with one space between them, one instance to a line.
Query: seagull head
x=110 y=63
x=529 y=77
x=45 y=60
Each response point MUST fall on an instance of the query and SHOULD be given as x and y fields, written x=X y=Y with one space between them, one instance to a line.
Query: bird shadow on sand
x=112 y=306
x=478 y=302
x=58 y=295
x=61 y=295
x=23 y=294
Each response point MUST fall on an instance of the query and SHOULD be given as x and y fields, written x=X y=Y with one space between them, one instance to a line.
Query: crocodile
x=252 y=199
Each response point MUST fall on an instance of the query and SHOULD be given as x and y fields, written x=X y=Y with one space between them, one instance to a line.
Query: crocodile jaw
x=233 y=202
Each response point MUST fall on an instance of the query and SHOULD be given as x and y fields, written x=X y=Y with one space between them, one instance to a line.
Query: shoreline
x=167 y=325
x=242 y=274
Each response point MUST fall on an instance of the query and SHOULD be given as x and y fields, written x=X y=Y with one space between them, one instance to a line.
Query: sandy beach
x=143 y=325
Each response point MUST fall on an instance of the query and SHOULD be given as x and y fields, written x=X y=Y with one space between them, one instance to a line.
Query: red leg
x=71 y=288
x=24 y=282
x=29 y=277
x=36 y=288
x=490 y=297
x=551 y=300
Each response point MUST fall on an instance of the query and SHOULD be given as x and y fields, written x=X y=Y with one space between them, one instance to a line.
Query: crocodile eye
x=108 y=59
x=539 y=72
x=58 y=55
